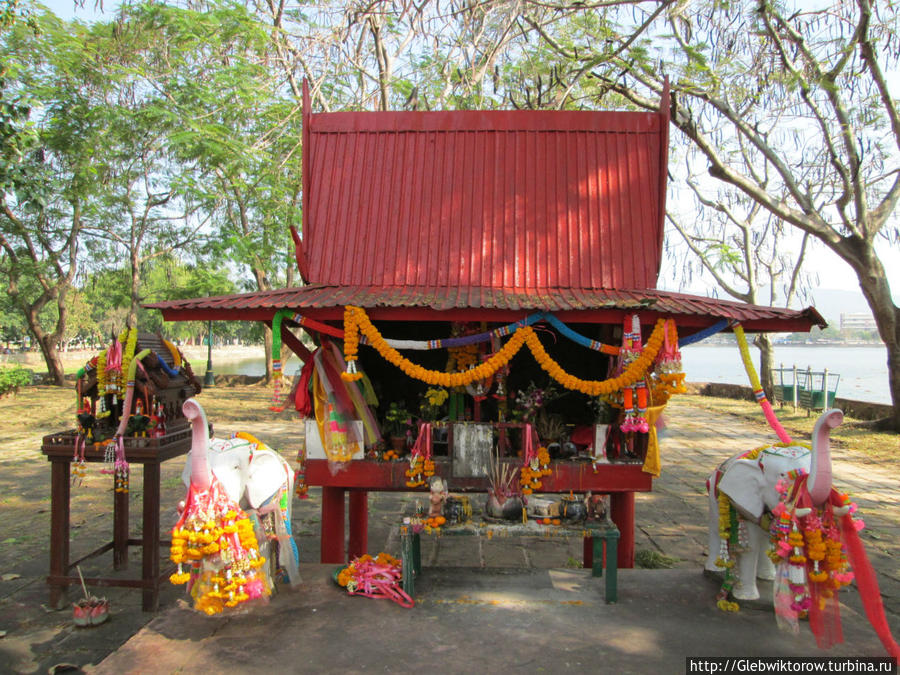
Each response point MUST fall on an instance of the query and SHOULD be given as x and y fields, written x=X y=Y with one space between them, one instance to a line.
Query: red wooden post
x=359 y=523
x=150 y=538
x=332 y=542
x=622 y=512
x=59 y=530
x=120 y=530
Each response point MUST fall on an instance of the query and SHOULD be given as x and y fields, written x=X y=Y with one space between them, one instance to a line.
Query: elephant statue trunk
x=199 y=464
x=819 y=481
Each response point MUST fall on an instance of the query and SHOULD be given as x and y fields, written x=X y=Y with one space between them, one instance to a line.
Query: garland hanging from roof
x=356 y=321
x=459 y=341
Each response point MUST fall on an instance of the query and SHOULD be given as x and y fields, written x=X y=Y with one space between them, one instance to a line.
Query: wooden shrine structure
x=429 y=219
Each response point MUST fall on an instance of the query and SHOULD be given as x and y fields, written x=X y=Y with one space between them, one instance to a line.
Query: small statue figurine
x=597 y=506
x=438 y=496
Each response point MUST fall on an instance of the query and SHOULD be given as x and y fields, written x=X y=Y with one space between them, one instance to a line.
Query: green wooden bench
x=603 y=533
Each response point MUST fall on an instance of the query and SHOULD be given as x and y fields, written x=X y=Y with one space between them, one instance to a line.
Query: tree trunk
x=48 y=344
x=50 y=352
x=766 y=357
x=887 y=318
x=135 y=287
x=267 y=343
x=875 y=287
x=262 y=283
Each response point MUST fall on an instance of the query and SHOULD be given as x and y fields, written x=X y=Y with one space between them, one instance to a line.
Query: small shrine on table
x=481 y=291
x=129 y=411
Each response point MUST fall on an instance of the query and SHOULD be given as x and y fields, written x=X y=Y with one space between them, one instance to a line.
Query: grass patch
x=653 y=560
x=854 y=435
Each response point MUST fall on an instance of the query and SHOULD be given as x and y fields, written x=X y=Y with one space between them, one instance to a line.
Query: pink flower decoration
x=859 y=524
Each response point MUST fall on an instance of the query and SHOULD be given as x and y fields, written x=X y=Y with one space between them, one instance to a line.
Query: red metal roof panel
x=519 y=200
x=425 y=302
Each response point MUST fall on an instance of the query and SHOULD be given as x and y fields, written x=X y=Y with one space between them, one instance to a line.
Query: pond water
x=863 y=369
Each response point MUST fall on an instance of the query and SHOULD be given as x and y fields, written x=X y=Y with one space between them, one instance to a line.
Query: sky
x=832 y=272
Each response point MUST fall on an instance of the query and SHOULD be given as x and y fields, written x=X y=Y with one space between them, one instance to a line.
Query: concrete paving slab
x=469 y=621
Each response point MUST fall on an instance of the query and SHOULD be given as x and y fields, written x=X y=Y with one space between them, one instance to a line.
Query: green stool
x=604 y=536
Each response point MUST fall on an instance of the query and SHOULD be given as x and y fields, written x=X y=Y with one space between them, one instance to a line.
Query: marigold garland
x=221 y=550
x=634 y=372
x=356 y=321
x=810 y=545
x=101 y=373
x=127 y=337
x=531 y=473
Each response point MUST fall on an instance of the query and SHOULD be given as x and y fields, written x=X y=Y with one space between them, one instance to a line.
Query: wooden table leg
x=597 y=555
x=612 y=569
x=59 y=530
x=332 y=538
x=359 y=524
x=150 y=553
x=120 y=530
x=622 y=512
x=406 y=561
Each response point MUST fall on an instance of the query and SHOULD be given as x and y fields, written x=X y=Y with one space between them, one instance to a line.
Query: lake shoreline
x=226 y=359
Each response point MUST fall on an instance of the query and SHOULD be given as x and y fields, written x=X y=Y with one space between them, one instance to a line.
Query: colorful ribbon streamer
x=757 y=387
x=717 y=327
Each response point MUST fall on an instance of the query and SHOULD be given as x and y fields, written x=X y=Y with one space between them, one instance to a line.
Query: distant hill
x=831 y=303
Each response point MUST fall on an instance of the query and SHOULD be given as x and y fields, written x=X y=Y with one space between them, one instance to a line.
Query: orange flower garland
x=634 y=372
x=351 y=347
x=530 y=475
x=356 y=320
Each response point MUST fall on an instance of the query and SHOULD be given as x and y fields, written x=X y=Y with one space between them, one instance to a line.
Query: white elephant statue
x=749 y=481
x=253 y=475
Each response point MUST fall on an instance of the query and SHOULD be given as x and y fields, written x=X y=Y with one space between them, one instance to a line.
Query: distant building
x=858 y=322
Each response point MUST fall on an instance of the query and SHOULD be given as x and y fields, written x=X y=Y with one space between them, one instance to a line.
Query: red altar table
x=620 y=481
x=150 y=453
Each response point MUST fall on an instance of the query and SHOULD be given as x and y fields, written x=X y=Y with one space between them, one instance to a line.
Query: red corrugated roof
x=517 y=200
x=475 y=215
x=442 y=303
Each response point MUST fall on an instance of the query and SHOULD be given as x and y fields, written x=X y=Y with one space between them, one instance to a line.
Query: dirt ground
x=36 y=638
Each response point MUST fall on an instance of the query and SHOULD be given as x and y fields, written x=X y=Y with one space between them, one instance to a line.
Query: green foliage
x=398 y=420
x=13 y=378
x=16 y=12
x=653 y=560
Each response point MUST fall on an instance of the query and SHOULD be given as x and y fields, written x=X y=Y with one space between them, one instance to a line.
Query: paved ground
x=519 y=605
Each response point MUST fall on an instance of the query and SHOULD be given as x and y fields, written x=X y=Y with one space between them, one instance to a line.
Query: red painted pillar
x=359 y=523
x=332 y=541
x=60 y=475
x=622 y=511
x=588 y=552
